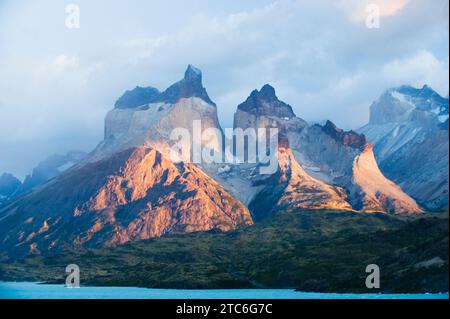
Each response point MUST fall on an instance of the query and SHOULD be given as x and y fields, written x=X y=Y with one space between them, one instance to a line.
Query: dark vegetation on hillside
x=311 y=251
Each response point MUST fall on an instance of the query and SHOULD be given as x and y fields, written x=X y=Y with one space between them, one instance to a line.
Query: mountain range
x=409 y=130
x=52 y=166
x=129 y=189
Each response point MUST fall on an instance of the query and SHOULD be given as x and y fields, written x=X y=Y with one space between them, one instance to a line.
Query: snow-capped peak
x=401 y=97
x=405 y=103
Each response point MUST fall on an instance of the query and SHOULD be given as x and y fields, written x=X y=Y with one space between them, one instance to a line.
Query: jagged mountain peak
x=424 y=98
x=330 y=126
x=267 y=93
x=407 y=103
x=425 y=90
x=192 y=73
x=409 y=130
x=348 y=138
x=137 y=97
x=190 y=86
x=265 y=102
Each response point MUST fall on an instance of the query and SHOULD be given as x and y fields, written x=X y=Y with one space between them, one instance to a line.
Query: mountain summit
x=408 y=104
x=409 y=129
x=137 y=97
x=130 y=188
x=320 y=166
x=193 y=74
x=190 y=86
x=151 y=123
x=265 y=102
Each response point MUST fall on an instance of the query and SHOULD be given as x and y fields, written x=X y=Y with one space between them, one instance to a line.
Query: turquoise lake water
x=29 y=290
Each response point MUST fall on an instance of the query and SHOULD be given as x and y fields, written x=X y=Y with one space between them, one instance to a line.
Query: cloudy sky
x=57 y=83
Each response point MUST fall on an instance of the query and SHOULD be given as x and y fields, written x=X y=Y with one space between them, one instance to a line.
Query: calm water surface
x=30 y=290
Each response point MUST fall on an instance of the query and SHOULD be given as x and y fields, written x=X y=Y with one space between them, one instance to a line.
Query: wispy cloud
x=57 y=84
x=358 y=9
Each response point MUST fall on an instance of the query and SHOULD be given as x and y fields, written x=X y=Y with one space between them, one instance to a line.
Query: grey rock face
x=425 y=99
x=137 y=97
x=406 y=103
x=131 y=172
x=409 y=130
x=421 y=169
x=292 y=187
x=339 y=165
x=265 y=102
x=389 y=109
x=130 y=188
x=351 y=166
x=349 y=138
x=190 y=86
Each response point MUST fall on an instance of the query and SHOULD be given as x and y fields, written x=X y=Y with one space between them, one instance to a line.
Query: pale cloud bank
x=57 y=84
x=358 y=8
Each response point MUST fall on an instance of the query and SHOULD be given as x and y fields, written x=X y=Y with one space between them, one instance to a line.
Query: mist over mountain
x=50 y=167
x=47 y=169
x=9 y=185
